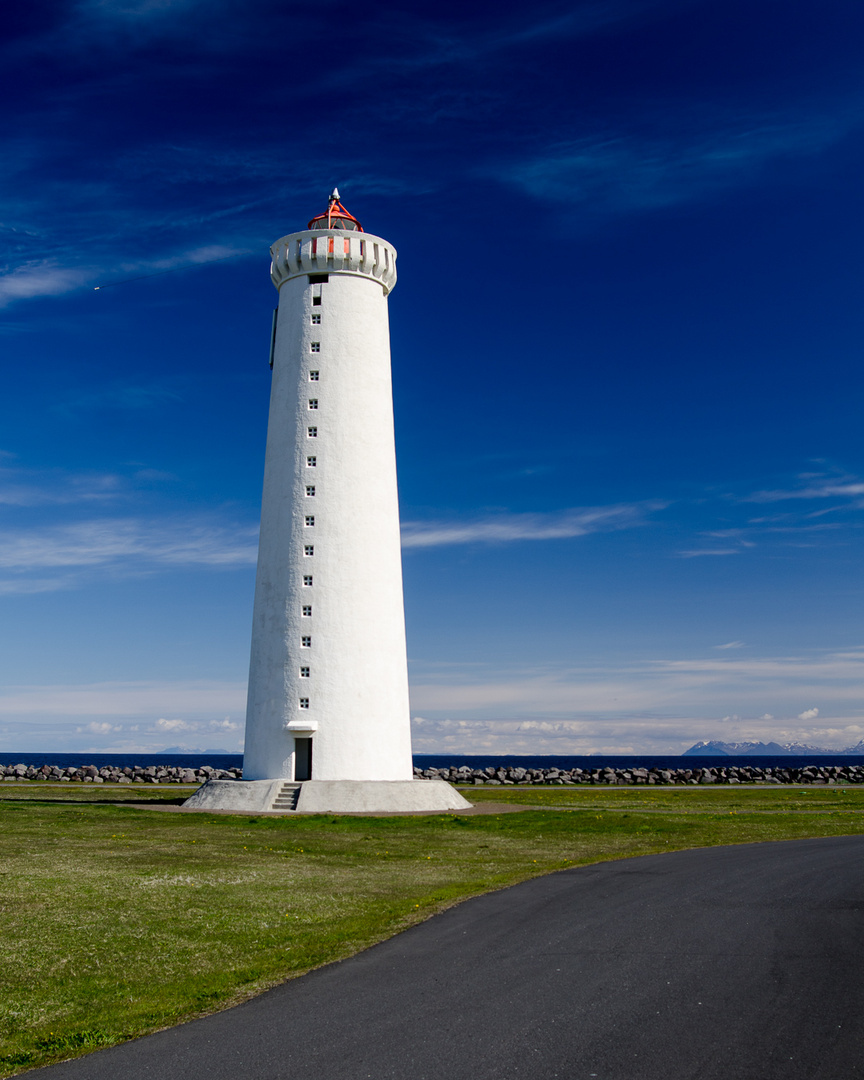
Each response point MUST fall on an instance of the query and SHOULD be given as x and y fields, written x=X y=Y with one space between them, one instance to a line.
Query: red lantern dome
x=336 y=217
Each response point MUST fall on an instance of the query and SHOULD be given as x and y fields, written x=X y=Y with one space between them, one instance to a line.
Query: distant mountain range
x=714 y=748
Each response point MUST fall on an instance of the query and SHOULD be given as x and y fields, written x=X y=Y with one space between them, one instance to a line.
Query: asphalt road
x=733 y=963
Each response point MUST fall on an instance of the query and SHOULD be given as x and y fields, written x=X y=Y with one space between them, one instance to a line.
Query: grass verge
x=678 y=800
x=115 y=921
x=43 y=791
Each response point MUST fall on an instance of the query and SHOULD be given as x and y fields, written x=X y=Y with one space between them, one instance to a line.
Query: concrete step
x=287 y=797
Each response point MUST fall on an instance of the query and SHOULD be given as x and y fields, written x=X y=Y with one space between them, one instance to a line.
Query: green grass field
x=117 y=921
x=819 y=798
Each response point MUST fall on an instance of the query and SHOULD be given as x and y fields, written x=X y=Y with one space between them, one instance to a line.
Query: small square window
x=316 y=301
x=309 y=520
x=307 y=580
x=304 y=672
x=305 y=642
x=313 y=376
x=310 y=490
x=315 y=346
x=316 y=318
x=311 y=462
x=304 y=702
x=307 y=611
x=313 y=402
x=308 y=549
x=312 y=433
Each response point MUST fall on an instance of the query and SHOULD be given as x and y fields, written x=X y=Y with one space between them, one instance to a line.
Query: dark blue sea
x=647 y=761
x=475 y=761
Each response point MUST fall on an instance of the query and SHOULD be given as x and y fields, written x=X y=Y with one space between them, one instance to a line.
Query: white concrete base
x=371 y=796
x=331 y=796
x=235 y=795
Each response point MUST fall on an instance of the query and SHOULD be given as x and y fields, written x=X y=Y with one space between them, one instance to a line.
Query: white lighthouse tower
x=328 y=723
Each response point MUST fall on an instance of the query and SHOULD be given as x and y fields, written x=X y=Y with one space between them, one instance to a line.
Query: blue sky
x=627 y=342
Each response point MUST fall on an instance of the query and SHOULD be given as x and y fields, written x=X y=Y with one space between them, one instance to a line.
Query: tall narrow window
x=311 y=462
x=310 y=490
x=273 y=337
x=312 y=432
x=309 y=520
x=308 y=549
x=313 y=402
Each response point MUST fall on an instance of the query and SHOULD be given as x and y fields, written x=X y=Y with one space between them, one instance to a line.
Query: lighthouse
x=328 y=721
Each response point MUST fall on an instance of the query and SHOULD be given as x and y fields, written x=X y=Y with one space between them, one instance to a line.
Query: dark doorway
x=302 y=759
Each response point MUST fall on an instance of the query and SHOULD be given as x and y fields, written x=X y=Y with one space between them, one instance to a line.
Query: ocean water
x=647 y=761
x=475 y=761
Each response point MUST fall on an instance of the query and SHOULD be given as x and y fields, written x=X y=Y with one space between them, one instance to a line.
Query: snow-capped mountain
x=715 y=748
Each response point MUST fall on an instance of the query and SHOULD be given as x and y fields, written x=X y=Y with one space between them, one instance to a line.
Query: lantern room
x=336 y=217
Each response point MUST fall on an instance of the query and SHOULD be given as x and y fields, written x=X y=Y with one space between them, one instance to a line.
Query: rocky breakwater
x=464 y=774
x=134 y=774
x=715 y=774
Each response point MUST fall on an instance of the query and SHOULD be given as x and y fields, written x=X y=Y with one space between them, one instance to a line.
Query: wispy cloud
x=661 y=684
x=120 y=396
x=623 y=172
x=41 y=278
x=154 y=267
x=35 y=278
x=60 y=553
x=136 y=10
x=433 y=43
x=129 y=543
x=696 y=553
x=504 y=528
x=795 y=525
x=580 y=21
x=28 y=487
x=33 y=586
x=823 y=488
x=192 y=700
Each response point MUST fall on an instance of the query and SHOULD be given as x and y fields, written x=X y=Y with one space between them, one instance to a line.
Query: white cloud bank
x=121 y=716
x=657 y=706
